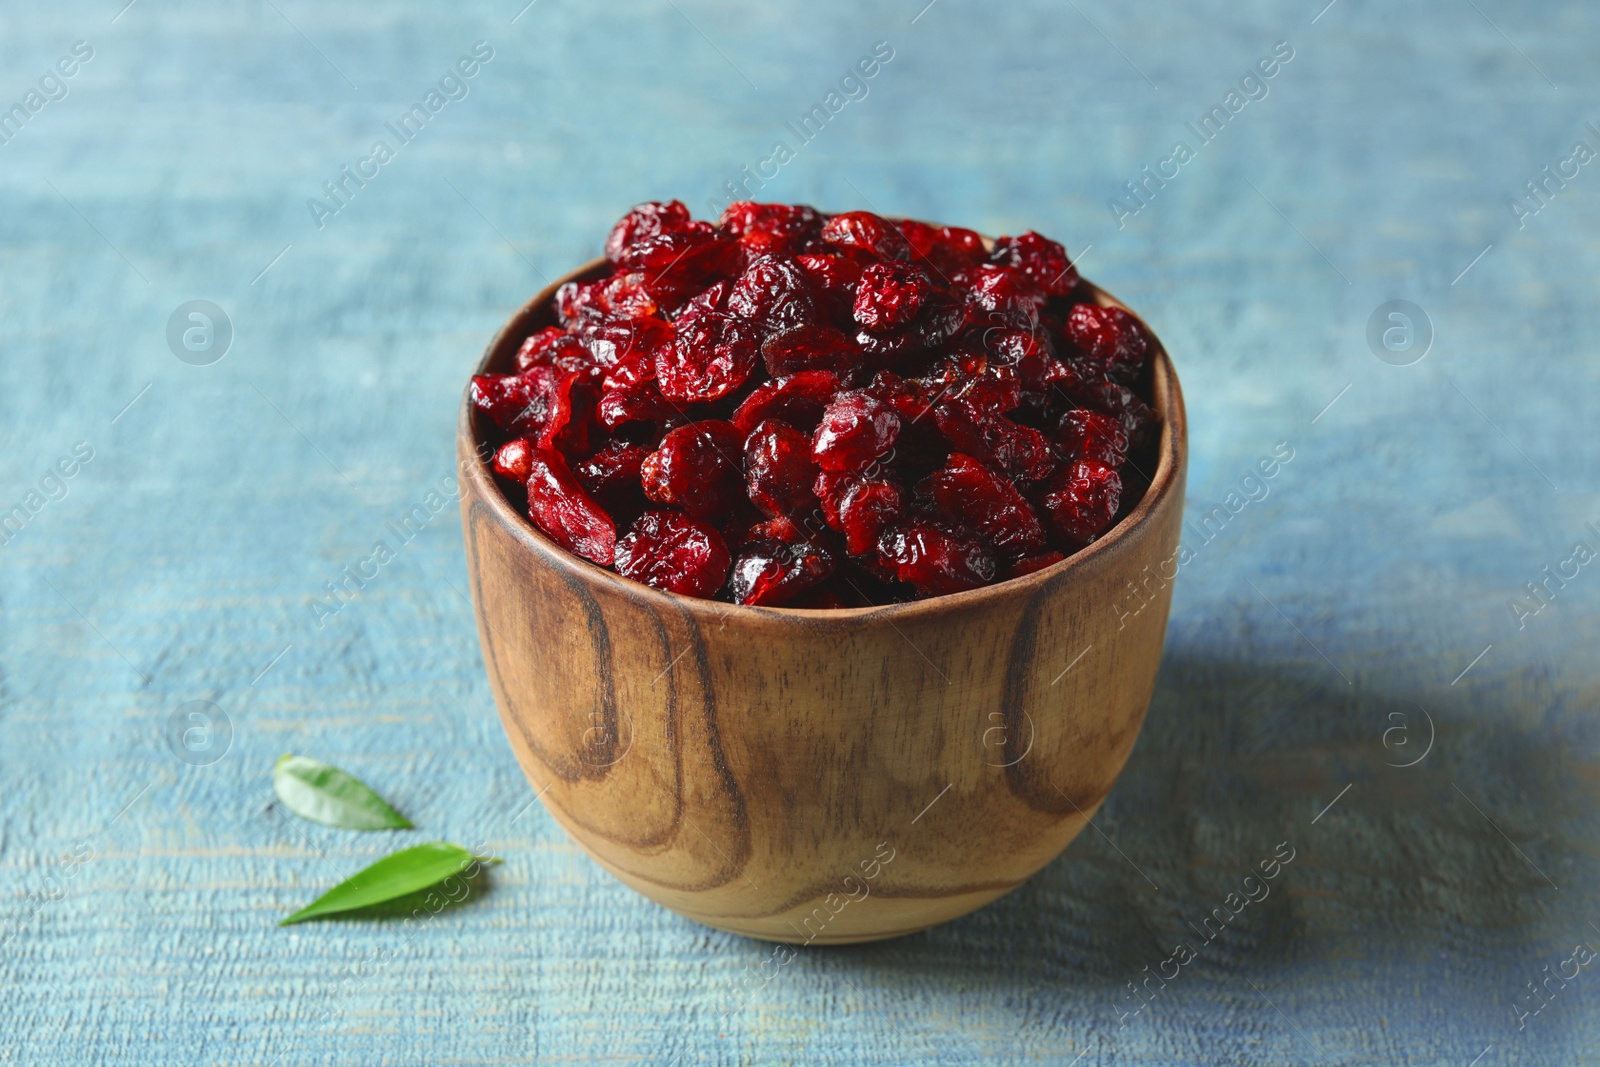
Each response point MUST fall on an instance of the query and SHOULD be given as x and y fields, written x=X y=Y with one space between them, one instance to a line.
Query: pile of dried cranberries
x=791 y=408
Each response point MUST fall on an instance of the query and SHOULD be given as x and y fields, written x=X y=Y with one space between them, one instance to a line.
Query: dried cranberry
x=856 y=428
x=1020 y=451
x=998 y=296
x=1041 y=261
x=975 y=496
x=696 y=467
x=1118 y=400
x=645 y=221
x=792 y=222
x=633 y=403
x=834 y=278
x=778 y=469
x=611 y=476
x=946 y=249
x=934 y=560
x=558 y=505
x=865 y=508
x=711 y=356
x=812 y=347
x=685 y=255
x=550 y=347
x=1082 y=500
x=864 y=230
x=889 y=296
x=797 y=399
x=771 y=572
x=672 y=551
x=513 y=460
x=1110 y=337
x=775 y=294
x=1086 y=434
x=513 y=402
x=569 y=415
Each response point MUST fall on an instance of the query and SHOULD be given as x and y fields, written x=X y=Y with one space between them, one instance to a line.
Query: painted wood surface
x=1364 y=608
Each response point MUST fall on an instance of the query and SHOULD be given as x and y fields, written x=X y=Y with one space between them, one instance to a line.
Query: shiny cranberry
x=1020 y=451
x=772 y=573
x=795 y=222
x=712 y=356
x=774 y=294
x=935 y=560
x=865 y=508
x=856 y=428
x=889 y=296
x=645 y=221
x=558 y=505
x=977 y=497
x=1041 y=261
x=1110 y=337
x=946 y=249
x=1086 y=434
x=811 y=347
x=696 y=467
x=513 y=461
x=675 y=552
x=1081 y=500
x=866 y=231
x=779 y=469
x=797 y=399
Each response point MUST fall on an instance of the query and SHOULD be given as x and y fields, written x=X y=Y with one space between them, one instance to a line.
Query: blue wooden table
x=1359 y=675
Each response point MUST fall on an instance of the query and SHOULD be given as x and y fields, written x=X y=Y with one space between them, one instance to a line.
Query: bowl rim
x=1167 y=395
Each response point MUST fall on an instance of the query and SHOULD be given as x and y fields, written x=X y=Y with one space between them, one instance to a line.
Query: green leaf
x=396 y=875
x=316 y=791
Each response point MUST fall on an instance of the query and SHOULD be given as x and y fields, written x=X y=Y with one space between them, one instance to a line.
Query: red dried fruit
x=569 y=413
x=946 y=249
x=864 y=230
x=696 y=467
x=1118 y=400
x=1081 y=500
x=780 y=528
x=889 y=296
x=549 y=347
x=1041 y=261
x=971 y=494
x=1086 y=434
x=685 y=255
x=834 y=278
x=611 y=476
x=771 y=573
x=1110 y=337
x=624 y=351
x=645 y=221
x=856 y=428
x=558 y=505
x=865 y=509
x=797 y=399
x=513 y=402
x=513 y=460
x=795 y=222
x=775 y=294
x=672 y=551
x=817 y=346
x=934 y=560
x=711 y=356
x=778 y=469
x=633 y=403
x=1020 y=451
x=998 y=296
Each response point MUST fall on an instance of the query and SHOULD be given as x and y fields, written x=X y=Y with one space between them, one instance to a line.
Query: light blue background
x=183 y=561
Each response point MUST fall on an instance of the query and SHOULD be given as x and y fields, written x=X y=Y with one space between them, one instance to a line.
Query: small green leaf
x=393 y=876
x=316 y=791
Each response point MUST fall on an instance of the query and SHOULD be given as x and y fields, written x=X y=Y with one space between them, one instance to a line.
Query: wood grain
x=818 y=776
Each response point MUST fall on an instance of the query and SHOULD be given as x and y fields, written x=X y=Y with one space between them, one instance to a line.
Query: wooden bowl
x=822 y=776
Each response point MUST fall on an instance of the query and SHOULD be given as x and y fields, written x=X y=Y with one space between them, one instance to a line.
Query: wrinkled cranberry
x=611 y=476
x=675 y=552
x=834 y=279
x=513 y=402
x=645 y=221
x=633 y=403
x=1041 y=261
x=772 y=573
x=812 y=347
x=711 y=356
x=856 y=428
x=696 y=468
x=778 y=469
x=997 y=296
x=774 y=294
x=1111 y=337
x=795 y=222
x=558 y=505
x=946 y=249
x=889 y=296
x=868 y=232
x=513 y=460
x=971 y=494
x=864 y=509
x=1118 y=400
x=1020 y=451
x=934 y=560
x=1082 y=499
x=797 y=399
x=1086 y=434
x=569 y=416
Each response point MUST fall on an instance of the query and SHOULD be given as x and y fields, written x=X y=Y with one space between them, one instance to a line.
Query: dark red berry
x=946 y=249
x=779 y=470
x=865 y=508
x=772 y=573
x=1110 y=337
x=696 y=468
x=712 y=355
x=1041 y=261
x=795 y=222
x=1020 y=451
x=1081 y=500
x=999 y=296
x=1086 y=434
x=889 y=296
x=811 y=347
x=633 y=403
x=645 y=221
x=868 y=232
x=774 y=294
x=797 y=399
x=972 y=495
x=856 y=428
x=934 y=560
x=558 y=505
x=513 y=461
x=611 y=476
x=672 y=551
